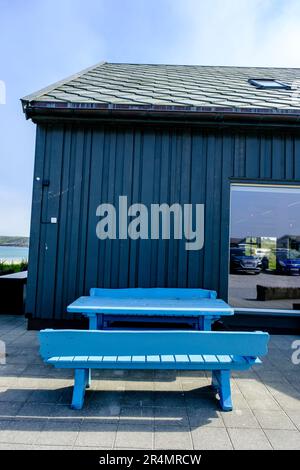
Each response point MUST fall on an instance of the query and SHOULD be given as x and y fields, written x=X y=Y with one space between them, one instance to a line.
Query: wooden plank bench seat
x=219 y=352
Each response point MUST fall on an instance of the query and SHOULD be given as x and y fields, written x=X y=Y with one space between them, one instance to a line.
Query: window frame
x=278 y=85
x=244 y=181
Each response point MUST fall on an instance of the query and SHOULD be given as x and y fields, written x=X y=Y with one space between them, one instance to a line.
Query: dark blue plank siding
x=87 y=166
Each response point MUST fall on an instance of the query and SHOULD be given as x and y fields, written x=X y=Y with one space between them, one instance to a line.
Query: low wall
x=277 y=293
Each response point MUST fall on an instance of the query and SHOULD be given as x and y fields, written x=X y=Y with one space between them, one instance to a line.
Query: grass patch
x=12 y=268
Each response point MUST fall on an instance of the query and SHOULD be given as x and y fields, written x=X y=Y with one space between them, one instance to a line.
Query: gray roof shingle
x=173 y=88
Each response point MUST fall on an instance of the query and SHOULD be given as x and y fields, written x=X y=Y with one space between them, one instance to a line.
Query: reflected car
x=288 y=262
x=242 y=263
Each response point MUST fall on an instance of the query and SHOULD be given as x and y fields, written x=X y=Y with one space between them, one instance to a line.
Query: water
x=13 y=253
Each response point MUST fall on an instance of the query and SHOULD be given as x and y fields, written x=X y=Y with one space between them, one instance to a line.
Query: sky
x=43 y=41
x=264 y=212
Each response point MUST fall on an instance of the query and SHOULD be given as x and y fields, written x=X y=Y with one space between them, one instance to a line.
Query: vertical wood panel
x=227 y=171
x=61 y=271
x=146 y=194
x=35 y=228
x=92 y=253
x=278 y=158
x=265 y=157
x=53 y=210
x=252 y=157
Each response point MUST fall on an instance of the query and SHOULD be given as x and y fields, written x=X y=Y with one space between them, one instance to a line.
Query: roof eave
x=34 y=108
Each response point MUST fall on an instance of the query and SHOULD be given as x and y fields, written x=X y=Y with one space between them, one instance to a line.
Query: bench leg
x=221 y=382
x=80 y=383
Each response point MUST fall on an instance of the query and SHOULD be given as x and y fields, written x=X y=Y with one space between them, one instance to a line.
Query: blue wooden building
x=217 y=147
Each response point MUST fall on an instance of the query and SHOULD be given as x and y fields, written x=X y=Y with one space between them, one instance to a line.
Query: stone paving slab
x=145 y=409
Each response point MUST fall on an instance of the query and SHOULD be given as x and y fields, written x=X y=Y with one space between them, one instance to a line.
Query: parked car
x=287 y=262
x=242 y=263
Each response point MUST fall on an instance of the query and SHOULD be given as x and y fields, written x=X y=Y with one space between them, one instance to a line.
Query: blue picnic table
x=197 y=307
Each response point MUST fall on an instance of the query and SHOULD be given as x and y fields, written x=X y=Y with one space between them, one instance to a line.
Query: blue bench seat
x=191 y=361
x=219 y=352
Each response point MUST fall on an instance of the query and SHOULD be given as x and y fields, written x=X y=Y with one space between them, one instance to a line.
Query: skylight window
x=268 y=84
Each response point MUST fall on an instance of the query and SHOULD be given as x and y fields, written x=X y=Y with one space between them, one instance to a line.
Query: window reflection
x=265 y=247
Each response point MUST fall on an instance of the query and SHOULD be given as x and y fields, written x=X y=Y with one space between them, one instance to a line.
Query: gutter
x=210 y=116
x=33 y=109
x=31 y=106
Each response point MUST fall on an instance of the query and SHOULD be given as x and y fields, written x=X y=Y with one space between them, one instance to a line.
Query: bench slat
x=167 y=358
x=110 y=358
x=210 y=358
x=182 y=358
x=54 y=359
x=153 y=358
x=95 y=359
x=224 y=358
x=124 y=358
x=80 y=358
x=138 y=359
x=66 y=358
x=196 y=358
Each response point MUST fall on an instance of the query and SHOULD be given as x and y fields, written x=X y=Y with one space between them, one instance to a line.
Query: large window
x=265 y=247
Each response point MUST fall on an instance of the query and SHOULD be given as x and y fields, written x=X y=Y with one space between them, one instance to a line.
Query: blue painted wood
x=142 y=363
x=80 y=384
x=207 y=322
x=156 y=292
x=159 y=293
x=93 y=321
x=158 y=342
x=223 y=379
x=187 y=350
x=207 y=361
x=149 y=305
x=155 y=302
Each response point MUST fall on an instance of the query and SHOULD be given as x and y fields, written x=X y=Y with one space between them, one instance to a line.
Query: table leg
x=100 y=321
x=93 y=323
x=207 y=323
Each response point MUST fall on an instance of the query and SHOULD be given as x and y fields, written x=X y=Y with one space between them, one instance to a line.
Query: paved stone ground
x=144 y=410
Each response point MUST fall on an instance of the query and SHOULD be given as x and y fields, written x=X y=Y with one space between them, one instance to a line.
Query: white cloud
x=239 y=32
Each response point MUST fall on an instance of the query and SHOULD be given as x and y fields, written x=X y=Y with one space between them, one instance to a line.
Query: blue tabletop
x=150 y=306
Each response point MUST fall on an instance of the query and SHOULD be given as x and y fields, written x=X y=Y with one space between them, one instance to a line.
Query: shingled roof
x=170 y=88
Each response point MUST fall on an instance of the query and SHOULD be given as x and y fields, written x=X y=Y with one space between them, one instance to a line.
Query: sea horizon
x=13 y=254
